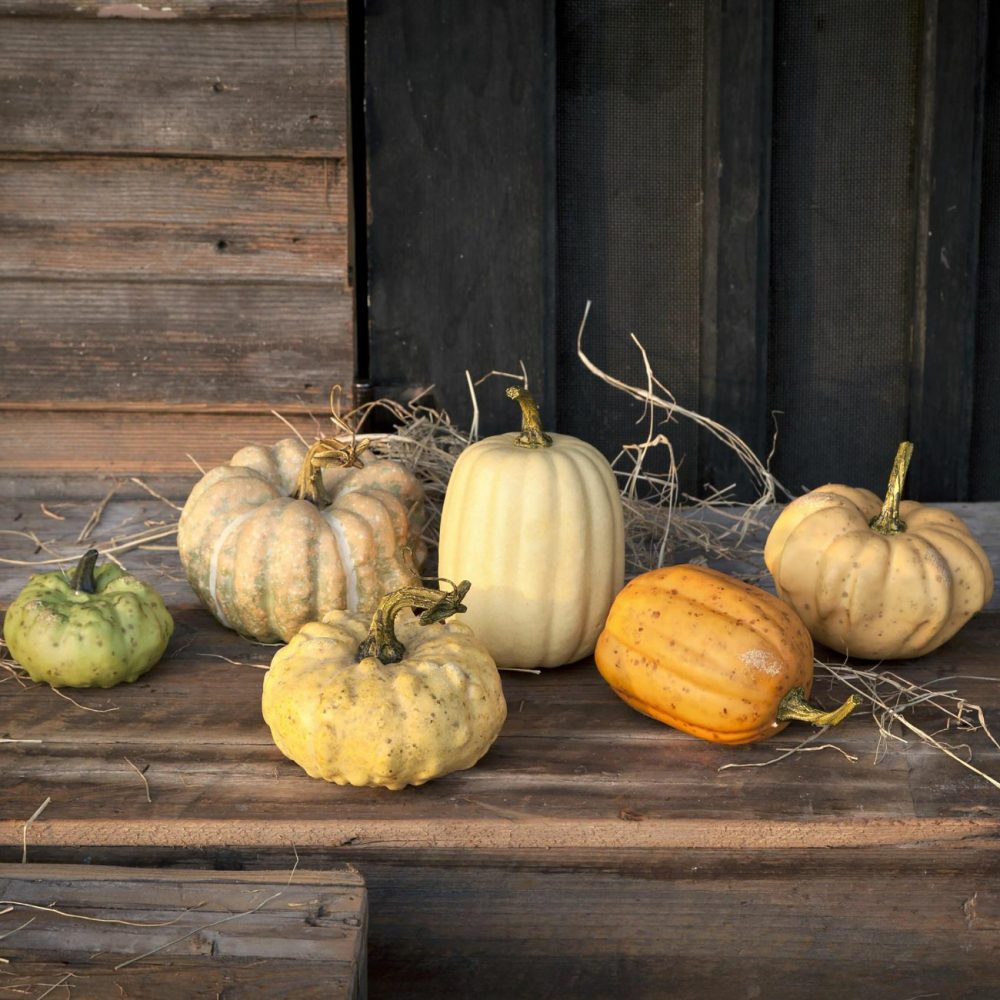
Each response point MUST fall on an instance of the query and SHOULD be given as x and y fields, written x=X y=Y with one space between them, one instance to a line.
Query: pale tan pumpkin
x=536 y=520
x=363 y=701
x=278 y=536
x=873 y=579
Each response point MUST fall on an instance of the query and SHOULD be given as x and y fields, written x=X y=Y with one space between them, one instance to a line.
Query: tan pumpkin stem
x=795 y=707
x=326 y=451
x=888 y=522
x=82 y=579
x=435 y=605
x=532 y=435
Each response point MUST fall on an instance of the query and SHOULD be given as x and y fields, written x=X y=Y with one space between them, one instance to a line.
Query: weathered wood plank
x=613 y=854
x=173 y=10
x=260 y=88
x=101 y=445
x=174 y=342
x=154 y=219
x=309 y=934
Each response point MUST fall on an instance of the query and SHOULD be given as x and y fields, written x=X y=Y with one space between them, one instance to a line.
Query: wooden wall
x=174 y=215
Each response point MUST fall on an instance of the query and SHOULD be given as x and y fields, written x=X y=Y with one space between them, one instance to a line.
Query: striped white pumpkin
x=539 y=531
x=265 y=563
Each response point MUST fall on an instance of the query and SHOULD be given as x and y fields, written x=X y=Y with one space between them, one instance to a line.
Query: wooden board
x=295 y=10
x=148 y=219
x=592 y=853
x=261 y=345
x=264 y=934
x=259 y=88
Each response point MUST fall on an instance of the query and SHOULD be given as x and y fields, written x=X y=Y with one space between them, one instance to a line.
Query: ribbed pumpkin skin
x=540 y=534
x=367 y=723
x=704 y=653
x=265 y=564
x=872 y=595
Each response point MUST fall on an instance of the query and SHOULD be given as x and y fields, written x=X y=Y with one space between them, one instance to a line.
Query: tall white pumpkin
x=535 y=521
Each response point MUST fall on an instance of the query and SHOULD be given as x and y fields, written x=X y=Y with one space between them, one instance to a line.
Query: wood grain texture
x=98 y=443
x=592 y=853
x=174 y=10
x=259 y=88
x=174 y=342
x=461 y=257
x=154 y=219
x=306 y=932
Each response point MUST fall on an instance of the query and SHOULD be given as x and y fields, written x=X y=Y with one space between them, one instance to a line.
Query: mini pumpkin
x=536 y=520
x=880 y=580
x=710 y=655
x=97 y=628
x=368 y=701
x=279 y=536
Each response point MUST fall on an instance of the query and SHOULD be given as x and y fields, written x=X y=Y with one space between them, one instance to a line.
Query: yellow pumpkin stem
x=434 y=605
x=795 y=707
x=82 y=579
x=326 y=451
x=532 y=435
x=888 y=522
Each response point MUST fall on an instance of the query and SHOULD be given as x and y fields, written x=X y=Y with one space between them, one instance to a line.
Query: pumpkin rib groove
x=266 y=573
x=689 y=670
x=914 y=581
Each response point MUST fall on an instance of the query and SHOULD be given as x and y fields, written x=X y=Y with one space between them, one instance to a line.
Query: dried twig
x=142 y=774
x=24 y=835
x=149 y=489
x=99 y=920
x=184 y=937
x=98 y=512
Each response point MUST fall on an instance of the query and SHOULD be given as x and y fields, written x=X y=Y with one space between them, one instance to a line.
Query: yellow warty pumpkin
x=363 y=701
x=536 y=520
x=873 y=579
x=710 y=655
x=279 y=536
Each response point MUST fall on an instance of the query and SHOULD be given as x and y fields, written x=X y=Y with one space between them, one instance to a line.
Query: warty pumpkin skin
x=536 y=521
x=273 y=539
x=710 y=655
x=369 y=702
x=877 y=579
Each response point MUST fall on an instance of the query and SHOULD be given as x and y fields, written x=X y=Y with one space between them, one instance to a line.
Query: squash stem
x=795 y=707
x=82 y=579
x=435 y=605
x=888 y=521
x=532 y=435
x=326 y=451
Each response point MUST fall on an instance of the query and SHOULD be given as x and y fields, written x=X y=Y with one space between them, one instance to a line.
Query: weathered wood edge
x=178 y=10
x=508 y=835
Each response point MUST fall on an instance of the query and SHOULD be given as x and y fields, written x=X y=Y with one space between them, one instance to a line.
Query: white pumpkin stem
x=326 y=451
x=434 y=605
x=888 y=522
x=795 y=707
x=82 y=579
x=532 y=435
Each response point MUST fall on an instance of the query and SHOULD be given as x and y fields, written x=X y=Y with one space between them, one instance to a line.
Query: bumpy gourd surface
x=68 y=638
x=541 y=533
x=265 y=564
x=704 y=653
x=368 y=723
x=872 y=595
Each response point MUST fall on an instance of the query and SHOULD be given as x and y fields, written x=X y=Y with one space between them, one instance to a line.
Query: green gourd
x=97 y=628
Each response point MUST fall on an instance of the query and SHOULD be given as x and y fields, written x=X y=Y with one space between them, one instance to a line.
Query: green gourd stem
x=326 y=451
x=436 y=605
x=82 y=579
x=888 y=522
x=532 y=435
x=795 y=707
